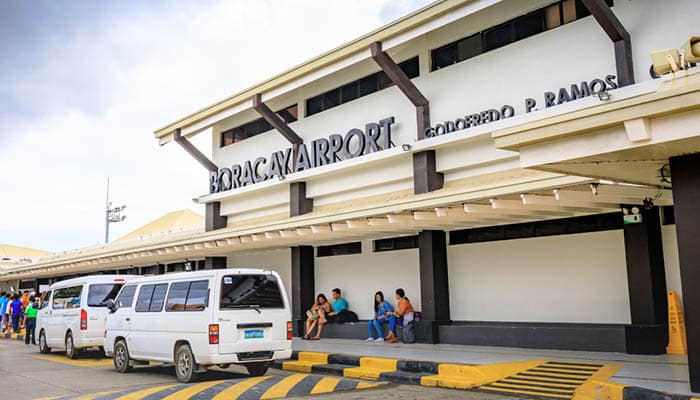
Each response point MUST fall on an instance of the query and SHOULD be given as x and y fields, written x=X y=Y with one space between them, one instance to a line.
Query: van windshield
x=99 y=294
x=251 y=291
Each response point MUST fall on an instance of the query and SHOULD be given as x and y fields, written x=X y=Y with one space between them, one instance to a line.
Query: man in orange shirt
x=403 y=314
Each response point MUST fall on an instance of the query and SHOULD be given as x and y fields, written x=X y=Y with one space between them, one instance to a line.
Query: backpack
x=346 y=316
x=409 y=332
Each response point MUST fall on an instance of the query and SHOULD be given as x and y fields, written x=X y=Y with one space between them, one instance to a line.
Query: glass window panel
x=251 y=291
x=100 y=293
x=331 y=99
x=552 y=15
x=177 y=296
x=314 y=105
x=410 y=67
x=198 y=296
x=368 y=85
x=126 y=297
x=529 y=25
x=498 y=36
x=349 y=92
x=158 y=297
x=568 y=8
x=143 y=301
x=444 y=56
x=469 y=47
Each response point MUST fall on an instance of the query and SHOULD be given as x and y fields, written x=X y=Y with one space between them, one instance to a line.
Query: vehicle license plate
x=254 y=333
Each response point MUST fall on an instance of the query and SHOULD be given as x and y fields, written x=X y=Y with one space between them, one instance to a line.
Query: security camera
x=665 y=61
x=691 y=50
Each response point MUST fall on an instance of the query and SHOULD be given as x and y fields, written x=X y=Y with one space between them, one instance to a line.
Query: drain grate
x=556 y=380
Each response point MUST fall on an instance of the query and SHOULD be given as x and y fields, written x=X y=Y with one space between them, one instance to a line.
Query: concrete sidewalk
x=667 y=373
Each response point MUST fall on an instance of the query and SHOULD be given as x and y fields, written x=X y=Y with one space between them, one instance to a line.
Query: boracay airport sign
x=376 y=136
x=355 y=143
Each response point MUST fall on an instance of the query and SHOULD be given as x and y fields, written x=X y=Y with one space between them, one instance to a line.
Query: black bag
x=345 y=316
x=409 y=332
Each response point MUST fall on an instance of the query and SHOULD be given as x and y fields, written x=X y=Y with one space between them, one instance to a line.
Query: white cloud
x=98 y=94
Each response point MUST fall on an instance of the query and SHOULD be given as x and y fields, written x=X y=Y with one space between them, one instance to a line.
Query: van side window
x=143 y=302
x=67 y=298
x=98 y=294
x=158 y=297
x=188 y=296
x=126 y=297
x=45 y=300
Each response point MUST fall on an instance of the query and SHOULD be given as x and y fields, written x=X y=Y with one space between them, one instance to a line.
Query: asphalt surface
x=32 y=375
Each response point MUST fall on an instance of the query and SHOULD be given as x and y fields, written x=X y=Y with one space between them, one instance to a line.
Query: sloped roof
x=16 y=252
x=172 y=221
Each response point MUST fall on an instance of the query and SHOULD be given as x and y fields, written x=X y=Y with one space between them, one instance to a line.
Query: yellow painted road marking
x=145 y=392
x=232 y=393
x=192 y=390
x=539 y=394
x=325 y=385
x=94 y=395
x=281 y=388
x=366 y=385
x=371 y=368
x=86 y=363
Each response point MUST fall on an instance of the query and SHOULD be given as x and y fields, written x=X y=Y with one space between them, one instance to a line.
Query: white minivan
x=72 y=313
x=200 y=319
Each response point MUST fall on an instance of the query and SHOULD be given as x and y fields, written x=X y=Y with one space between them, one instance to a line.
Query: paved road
x=39 y=376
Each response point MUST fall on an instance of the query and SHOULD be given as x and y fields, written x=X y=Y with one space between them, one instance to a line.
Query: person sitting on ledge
x=403 y=313
x=313 y=316
x=382 y=312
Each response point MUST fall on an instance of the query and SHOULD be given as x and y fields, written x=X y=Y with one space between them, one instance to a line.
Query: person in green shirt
x=30 y=321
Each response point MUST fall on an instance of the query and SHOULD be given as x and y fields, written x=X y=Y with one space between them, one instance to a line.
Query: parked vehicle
x=199 y=319
x=72 y=313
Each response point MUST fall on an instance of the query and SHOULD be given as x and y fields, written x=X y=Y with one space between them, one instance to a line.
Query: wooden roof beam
x=273 y=119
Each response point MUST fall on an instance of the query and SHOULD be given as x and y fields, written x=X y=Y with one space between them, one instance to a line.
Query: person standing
x=30 y=321
x=3 y=307
x=16 y=310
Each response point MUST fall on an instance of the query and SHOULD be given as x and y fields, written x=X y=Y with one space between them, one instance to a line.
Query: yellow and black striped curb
x=532 y=378
x=13 y=336
x=263 y=387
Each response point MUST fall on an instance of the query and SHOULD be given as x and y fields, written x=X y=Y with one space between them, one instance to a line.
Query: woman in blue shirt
x=382 y=311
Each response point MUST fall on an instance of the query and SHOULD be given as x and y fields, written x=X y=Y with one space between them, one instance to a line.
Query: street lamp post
x=112 y=214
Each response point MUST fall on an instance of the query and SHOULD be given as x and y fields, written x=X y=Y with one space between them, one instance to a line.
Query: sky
x=84 y=83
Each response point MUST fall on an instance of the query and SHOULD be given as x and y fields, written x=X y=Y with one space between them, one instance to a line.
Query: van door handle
x=128 y=319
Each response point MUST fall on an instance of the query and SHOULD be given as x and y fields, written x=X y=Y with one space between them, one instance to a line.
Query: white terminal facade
x=479 y=154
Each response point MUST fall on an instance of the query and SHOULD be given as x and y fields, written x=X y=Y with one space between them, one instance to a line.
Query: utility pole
x=112 y=214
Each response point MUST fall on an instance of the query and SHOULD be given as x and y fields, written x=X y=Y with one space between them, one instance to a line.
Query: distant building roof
x=172 y=221
x=18 y=252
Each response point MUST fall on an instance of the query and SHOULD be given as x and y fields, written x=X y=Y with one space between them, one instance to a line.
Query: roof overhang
x=424 y=20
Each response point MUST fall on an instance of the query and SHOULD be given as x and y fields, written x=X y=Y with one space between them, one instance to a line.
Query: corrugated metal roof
x=170 y=222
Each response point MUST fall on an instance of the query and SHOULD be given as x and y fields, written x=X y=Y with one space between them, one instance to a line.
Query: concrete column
x=215 y=263
x=303 y=285
x=685 y=175
x=299 y=204
x=425 y=176
x=213 y=218
x=435 y=297
x=648 y=333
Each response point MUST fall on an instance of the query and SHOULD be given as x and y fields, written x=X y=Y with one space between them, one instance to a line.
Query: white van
x=200 y=319
x=72 y=313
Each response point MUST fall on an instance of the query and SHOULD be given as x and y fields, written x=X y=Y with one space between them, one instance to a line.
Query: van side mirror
x=111 y=305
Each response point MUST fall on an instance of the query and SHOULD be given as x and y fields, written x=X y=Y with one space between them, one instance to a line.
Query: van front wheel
x=256 y=369
x=122 y=361
x=184 y=364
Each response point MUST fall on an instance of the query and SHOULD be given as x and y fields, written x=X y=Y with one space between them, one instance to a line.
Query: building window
x=508 y=32
x=565 y=226
x=288 y=115
x=397 y=243
x=359 y=88
x=339 y=249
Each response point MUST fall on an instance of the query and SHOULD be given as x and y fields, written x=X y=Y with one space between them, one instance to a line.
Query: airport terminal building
x=512 y=165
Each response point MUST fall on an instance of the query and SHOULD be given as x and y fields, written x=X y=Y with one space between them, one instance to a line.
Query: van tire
x=122 y=360
x=71 y=351
x=43 y=348
x=256 y=369
x=185 y=365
